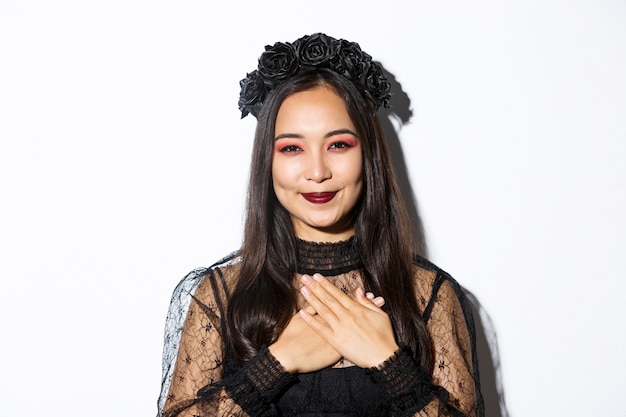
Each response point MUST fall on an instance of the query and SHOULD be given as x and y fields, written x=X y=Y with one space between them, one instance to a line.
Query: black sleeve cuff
x=255 y=386
x=408 y=387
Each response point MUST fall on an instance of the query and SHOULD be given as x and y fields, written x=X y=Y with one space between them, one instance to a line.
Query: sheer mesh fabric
x=197 y=381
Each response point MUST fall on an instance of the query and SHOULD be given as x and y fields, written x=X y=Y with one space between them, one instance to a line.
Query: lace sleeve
x=453 y=388
x=199 y=383
x=179 y=305
x=455 y=376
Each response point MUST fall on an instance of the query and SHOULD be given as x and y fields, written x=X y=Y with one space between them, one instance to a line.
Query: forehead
x=317 y=108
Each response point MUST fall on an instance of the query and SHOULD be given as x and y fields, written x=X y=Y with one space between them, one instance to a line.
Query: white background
x=123 y=164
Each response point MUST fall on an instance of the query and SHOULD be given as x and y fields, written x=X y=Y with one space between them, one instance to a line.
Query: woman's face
x=317 y=164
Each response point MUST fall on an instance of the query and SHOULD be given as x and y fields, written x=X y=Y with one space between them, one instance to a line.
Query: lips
x=319 y=198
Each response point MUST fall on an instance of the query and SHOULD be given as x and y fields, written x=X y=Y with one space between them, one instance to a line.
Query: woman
x=324 y=311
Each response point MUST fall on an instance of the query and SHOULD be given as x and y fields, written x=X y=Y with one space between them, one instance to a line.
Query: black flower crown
x=283 y=60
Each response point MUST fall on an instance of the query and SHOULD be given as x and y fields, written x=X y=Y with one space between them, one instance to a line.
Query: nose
x=318 y=169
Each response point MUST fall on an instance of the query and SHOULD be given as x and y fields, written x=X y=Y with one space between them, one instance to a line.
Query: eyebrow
x=326 y=136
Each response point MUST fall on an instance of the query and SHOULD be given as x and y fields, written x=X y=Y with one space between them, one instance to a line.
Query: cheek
x=358 y=178
x=355 y=172
x=282 y=173
x=358 y=189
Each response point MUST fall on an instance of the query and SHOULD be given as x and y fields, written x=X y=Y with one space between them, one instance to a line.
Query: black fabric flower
x=350 y=61
x=282 y=60
x=278 y=62
x=316 y=50
x=376 y=86
x=252 y=95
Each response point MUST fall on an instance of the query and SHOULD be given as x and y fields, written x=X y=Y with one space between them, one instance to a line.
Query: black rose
x=252 y=94
x=283 y=60
x=316 y=50
x=278 y=62
x=376 y=86
x=350 y=61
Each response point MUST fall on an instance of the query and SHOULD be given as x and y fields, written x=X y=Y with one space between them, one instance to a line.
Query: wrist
x=258 y=383
x=283 y=357
x=384 y=356
x=406 y=383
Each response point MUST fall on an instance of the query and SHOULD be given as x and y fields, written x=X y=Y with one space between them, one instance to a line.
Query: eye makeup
x=349 y=140
x=287 y=145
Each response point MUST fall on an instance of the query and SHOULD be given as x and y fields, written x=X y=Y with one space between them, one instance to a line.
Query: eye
x=289 y=148
x=340 y=145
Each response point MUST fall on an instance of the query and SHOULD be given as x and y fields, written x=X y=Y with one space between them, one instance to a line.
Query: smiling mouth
x=319 y=198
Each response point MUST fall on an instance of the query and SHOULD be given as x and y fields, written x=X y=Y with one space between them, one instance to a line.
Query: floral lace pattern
x=197 y=382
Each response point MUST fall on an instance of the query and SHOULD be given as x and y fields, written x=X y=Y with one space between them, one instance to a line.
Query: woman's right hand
x=300 y=349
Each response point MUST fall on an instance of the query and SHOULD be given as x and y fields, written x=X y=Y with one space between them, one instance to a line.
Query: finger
x=378 y=301
x=327 y=293
x=334 y=291
x=373 y=303
x=309 y=309
x=320 y=300
x=316 y=323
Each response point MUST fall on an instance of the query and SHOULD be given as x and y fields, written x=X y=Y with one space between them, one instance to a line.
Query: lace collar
x=327 y=258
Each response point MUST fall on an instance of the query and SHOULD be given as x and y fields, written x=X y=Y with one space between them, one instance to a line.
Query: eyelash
x=289 y=148
x=340 y=145
x=335 y=145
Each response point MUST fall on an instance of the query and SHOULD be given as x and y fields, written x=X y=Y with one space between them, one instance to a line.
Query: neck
x=329 y=234
x=329 y=258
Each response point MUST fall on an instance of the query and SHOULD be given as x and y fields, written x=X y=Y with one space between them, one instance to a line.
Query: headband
x=284 y=59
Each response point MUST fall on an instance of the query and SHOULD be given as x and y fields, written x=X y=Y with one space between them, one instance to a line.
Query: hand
x=358 y=329
x=300 y=349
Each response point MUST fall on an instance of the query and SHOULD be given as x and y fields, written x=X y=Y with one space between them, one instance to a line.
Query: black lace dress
x=197 y=382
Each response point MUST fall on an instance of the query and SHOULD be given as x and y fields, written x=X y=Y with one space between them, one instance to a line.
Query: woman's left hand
x=357 y=328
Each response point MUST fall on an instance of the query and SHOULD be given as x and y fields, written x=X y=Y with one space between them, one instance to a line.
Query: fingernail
x=317 y=277
x=305 y=291
x=306 y=279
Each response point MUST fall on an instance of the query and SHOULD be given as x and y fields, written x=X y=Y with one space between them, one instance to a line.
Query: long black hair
x=264 y=299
